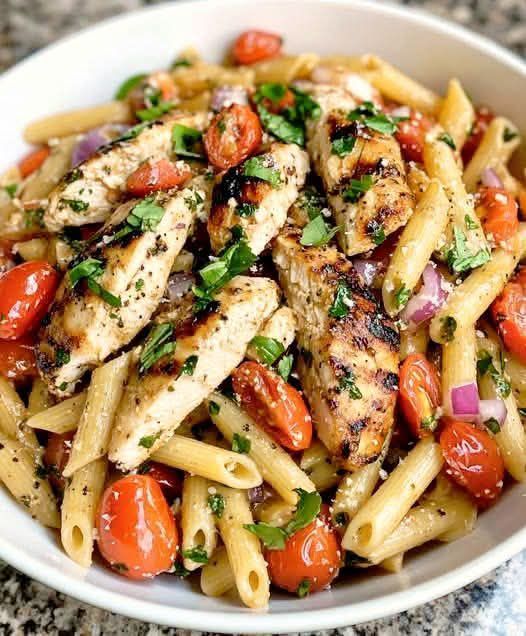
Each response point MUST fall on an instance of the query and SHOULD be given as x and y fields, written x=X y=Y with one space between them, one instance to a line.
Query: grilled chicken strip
x=89 y=192
x=349 y=358
x=387 y=205
x=155 y=403
x=253 y=203
x=83 y=328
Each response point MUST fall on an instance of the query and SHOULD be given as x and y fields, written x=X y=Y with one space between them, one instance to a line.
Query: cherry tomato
x=137 y=534
x=499 y=213
x=473 y=459
x=6 y=256
x=483 y=117
x=26 y=291
x=17 y=358
x=419 y=394
x=32 y=162
x=255 y=46
x=234 y=134
x=411 y=135
x=509 y=313
x=164 y=82
x=152 y=177
x=168 y=479
x=56 y=456
x=311 y=557
x=274 y=404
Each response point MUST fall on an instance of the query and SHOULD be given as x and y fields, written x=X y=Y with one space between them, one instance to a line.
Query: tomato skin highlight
x=255 y=46
x=509 y=314
x=26 y=291
x=152 y=177
x=473 y=460
x=168 y=479
x=411 y=135
x=137 y=534
x=32 y=162
x=499 y=213
x=312 y=554
x=17 y=358
x=274 y=404
x=234 y=134
x=419 y=392
x=483 y=118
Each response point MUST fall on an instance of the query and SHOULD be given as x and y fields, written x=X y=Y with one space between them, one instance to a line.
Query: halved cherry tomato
x=509 y=313
x=275 y=405
x=137 y=534
x=411 y=135
x=419 y=394
x=17 y=358
x=26 y=291
x=498 y=211
x=56 y=456
x=32 y=162
x=473 y=459
x=255 y=46
x=483 y=117
x=168 y=479
x=234 y=134
x=152 y=177
x=311 y=557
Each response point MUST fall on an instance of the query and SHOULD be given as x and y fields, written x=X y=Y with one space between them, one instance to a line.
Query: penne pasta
x=275 y=512
x=226 y=467
x=413 y=341
x=194 y=80
x=197 y=520
x=352 y=493
x=12 y=416
x=217 y=577
x=285 y=69
x=276 y=466
x=61 y=417
x=318 y=465
x=459 y=365
x=393 y=564
x=456 y=113
x=39 y=399
x=32 y=250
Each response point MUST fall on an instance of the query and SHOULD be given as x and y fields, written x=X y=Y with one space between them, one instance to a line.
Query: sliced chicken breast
x=89 y=192
x=365 y=218
x=349 y=358
x=207 y=350
x=83 y=327
x=254 y=204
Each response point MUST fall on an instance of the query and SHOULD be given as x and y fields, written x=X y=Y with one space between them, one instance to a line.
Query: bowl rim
x=245 y=620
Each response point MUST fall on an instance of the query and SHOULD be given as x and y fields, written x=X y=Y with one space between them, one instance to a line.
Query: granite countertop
x=493 y=605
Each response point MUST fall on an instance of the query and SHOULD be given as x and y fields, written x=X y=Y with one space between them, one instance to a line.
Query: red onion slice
x=490 y=178
x=225 y=96
x=368 y=270
x=432 y=295
x=495 y=409
x=93 y=140
x=465 y=401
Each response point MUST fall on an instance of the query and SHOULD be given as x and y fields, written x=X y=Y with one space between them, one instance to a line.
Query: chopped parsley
x=401 y=296
x=62 y=356
x=357 y=188
x=307 y=510
x=268 y=349
x=185 y=141
x=213 y=408
x=216 y=503
x=34 y=218
x=377 y=232
x=143 y=217
x=342 y=301
x=246 y=209
x=256 y=167
x=470 y=223
x=459 y=258
x=139 y=284
x=492 y=425
x=240 y=444
x=189 y=365
x=197 y=554
x=448 y=140
x=75 y=204
x=341 y=518
x=509 y=134
x=149 y=440
x=317 y=232
x=429 y=423
x=194 y=200
x=73 y=175
x=128 y=85
x=303 y=588
x=285 y=366
x=11 y=190
x=485 y=365
x=89 y=270
x=348 y=383
x=343 y=146
x=179 y=570
x=448 y=328
x=312 y=202
x=156 y=346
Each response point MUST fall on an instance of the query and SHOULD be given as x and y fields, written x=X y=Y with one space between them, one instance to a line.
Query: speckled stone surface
x=496 y=604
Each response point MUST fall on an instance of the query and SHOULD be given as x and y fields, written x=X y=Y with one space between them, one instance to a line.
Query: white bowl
x=85 y=69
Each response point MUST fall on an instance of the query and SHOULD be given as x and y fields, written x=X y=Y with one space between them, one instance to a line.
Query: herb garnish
x=459 y=258
x=348 y=383
x=216 y=503
x=509 y=134
x=89 y=270
x=343 y=146
x=268 y=349
x=197 y=554
x=401 y=296
x=278 y=126
x=303 y=588
x=246 y=209
x=485 y=365
x=492 y=425
x=149 y=440
x=448 y=140
x=185 y=141
x=240 y=444
x=448 y=328
x=317 y=233
x=156 y=346
x=256 y=167
x=128 y=85
x=189 y=365
x=11 y=190
x=369 y=115
x=342 y=301
x=213 y=408
x=357 y=188
x=377 y=232
x=143 y=217
x=76 y=204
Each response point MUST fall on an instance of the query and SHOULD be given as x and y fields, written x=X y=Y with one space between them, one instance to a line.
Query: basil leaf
x=348 y=383
x=62 y=356
x=185 y=140
x=128 y=85
x=189 y=365
x=246 y=209
x=255 y=167
x=342 y=301
x=271 y=90
x=317 y=233
x=273 y=538
x=429 y=423
x=156 y=346
x=312 y=202
x=268 y=349
x=304 y=107
x=448 y=140
x=197 y=554
x=181 y=62
x=154 y=112
x=448 y=328
x=303 y=588
x=285 y=366
x=470 y=223
x=179 y=570
x=240 y=444
x=11 y=190
x=357 y=188
x=307 y=510
x=369 y=115
x=216 y=503
x=485 y=365
x=278 y=126
x=213 y=408
x=509 y=134
x=343 y=146
x=132 y=132
x=106 y=296
x=492 y=425
x=91 y=267
x=149 y=440
x=402 y=295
